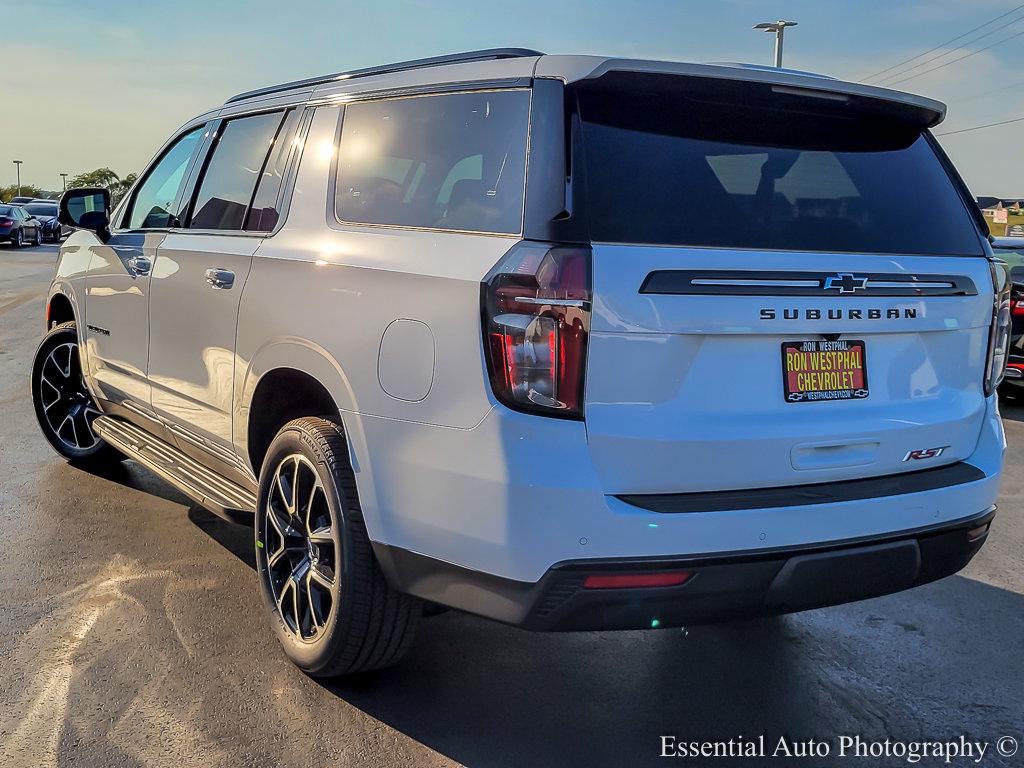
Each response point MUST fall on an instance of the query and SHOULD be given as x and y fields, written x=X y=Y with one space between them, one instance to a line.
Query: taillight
x=999 y=334
x=5 y=222
x=536 y=319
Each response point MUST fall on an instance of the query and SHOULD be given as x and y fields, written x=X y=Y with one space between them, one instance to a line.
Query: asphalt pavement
x=131 y=634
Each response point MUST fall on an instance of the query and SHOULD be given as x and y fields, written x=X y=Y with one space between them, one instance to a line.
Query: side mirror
x=86 y=208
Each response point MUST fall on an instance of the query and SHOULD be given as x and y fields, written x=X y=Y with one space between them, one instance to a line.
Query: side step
x=222 y=497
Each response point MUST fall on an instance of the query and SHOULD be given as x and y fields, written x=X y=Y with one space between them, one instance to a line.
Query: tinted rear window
x=682 y=168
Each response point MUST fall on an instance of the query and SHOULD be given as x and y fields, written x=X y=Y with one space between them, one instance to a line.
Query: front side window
x=231 y=174
x=454 y=161
x=156 y=201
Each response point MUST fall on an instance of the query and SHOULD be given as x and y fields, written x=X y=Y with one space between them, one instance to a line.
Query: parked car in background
x=46 y=212
x=18 y=227
x=1011 y=250
x=19 y=200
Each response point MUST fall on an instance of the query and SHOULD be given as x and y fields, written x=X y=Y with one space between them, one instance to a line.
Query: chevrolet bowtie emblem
x=844 y=282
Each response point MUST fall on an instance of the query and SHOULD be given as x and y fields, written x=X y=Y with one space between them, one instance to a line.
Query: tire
x=367 y=625
x=62 y=403
x=17 y=238
x=39 y=238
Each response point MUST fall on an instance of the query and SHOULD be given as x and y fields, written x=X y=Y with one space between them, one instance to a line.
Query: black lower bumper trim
x=811 y=493
x=722 y=587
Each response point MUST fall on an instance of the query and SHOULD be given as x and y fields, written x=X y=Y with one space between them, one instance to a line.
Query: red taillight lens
x=999 y=334
x=536 y=319
x=5 y=222
x=635 y=580
x=1017 y=307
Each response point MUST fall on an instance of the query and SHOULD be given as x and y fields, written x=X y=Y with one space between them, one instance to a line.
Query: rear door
x=786 y=290
x=199 y=275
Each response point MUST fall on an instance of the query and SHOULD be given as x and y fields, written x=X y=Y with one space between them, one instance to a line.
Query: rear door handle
x=140 y=265
x=220 y=278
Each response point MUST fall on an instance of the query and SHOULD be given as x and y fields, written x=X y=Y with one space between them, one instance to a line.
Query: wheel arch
x=59 y=309
x=279 y=361
x=275 y=368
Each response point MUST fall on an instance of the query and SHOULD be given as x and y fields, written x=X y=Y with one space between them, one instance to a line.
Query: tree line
x=101 y=177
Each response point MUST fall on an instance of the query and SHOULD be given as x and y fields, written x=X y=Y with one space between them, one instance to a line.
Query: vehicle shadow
x=484 y=694
x=132 y=475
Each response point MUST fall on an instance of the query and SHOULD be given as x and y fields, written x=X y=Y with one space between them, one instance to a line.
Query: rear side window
x=156 y=201
x=679 y=168
x=453 y=161
x=231 y=173
x=264 y=213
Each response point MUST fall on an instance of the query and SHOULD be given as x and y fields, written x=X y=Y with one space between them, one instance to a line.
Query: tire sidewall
x=61 y=334
x=309 y=656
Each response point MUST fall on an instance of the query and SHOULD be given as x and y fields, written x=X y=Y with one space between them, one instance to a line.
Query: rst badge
x=924 y=453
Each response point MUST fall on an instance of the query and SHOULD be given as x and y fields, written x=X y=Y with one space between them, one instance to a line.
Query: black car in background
x=18 y=226
x=1011 y=250
x=46 y=212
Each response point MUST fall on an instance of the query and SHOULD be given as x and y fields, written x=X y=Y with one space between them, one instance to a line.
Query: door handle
x=220 y=278
x=140 y=265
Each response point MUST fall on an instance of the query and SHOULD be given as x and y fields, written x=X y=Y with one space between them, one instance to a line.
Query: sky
x=98 y=83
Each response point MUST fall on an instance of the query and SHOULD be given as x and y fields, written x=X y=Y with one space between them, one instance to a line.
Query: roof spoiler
x=921 y=111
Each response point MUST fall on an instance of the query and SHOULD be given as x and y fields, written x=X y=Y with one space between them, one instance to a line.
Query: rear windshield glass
x=684 y=168
x=41 y=209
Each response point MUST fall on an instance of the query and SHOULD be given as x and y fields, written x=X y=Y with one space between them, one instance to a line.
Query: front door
x=116 y=330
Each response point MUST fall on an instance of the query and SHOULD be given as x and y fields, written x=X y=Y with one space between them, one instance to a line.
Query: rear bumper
x=721 y=587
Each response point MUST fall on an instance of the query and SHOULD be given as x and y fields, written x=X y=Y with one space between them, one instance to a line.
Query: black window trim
x=340 y=225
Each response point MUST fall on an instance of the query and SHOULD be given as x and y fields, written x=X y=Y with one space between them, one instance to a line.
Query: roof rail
x=401 y=66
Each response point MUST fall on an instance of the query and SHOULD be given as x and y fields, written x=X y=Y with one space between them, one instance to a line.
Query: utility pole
x=779 y=28
x=64 y=178
x=17 y=164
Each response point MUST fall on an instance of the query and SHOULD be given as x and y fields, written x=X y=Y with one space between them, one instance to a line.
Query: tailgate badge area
x=924 y=453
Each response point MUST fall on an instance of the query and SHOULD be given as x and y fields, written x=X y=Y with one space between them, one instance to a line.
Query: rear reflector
x=635 y=580
x=976 y=533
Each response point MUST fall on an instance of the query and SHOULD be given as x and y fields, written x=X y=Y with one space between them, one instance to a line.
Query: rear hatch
x=788 y=288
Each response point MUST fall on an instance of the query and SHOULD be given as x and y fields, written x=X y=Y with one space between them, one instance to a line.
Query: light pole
x=17 y=164
x=64 y=178
x=779 y=28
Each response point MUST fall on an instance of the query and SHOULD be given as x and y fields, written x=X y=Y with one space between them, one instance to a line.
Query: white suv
x=569 y=342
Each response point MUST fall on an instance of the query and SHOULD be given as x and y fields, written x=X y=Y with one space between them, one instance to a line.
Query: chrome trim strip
x=541 y=302
x=767 y=283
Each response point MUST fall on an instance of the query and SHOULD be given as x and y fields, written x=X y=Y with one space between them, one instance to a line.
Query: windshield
x=685 y=168
x=41 y=209
x=6 y=210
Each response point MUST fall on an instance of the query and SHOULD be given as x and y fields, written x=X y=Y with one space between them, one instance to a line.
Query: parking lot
x=131 y=634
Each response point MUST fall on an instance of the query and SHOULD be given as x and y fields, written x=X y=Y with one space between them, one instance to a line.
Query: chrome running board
x=217 y=494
